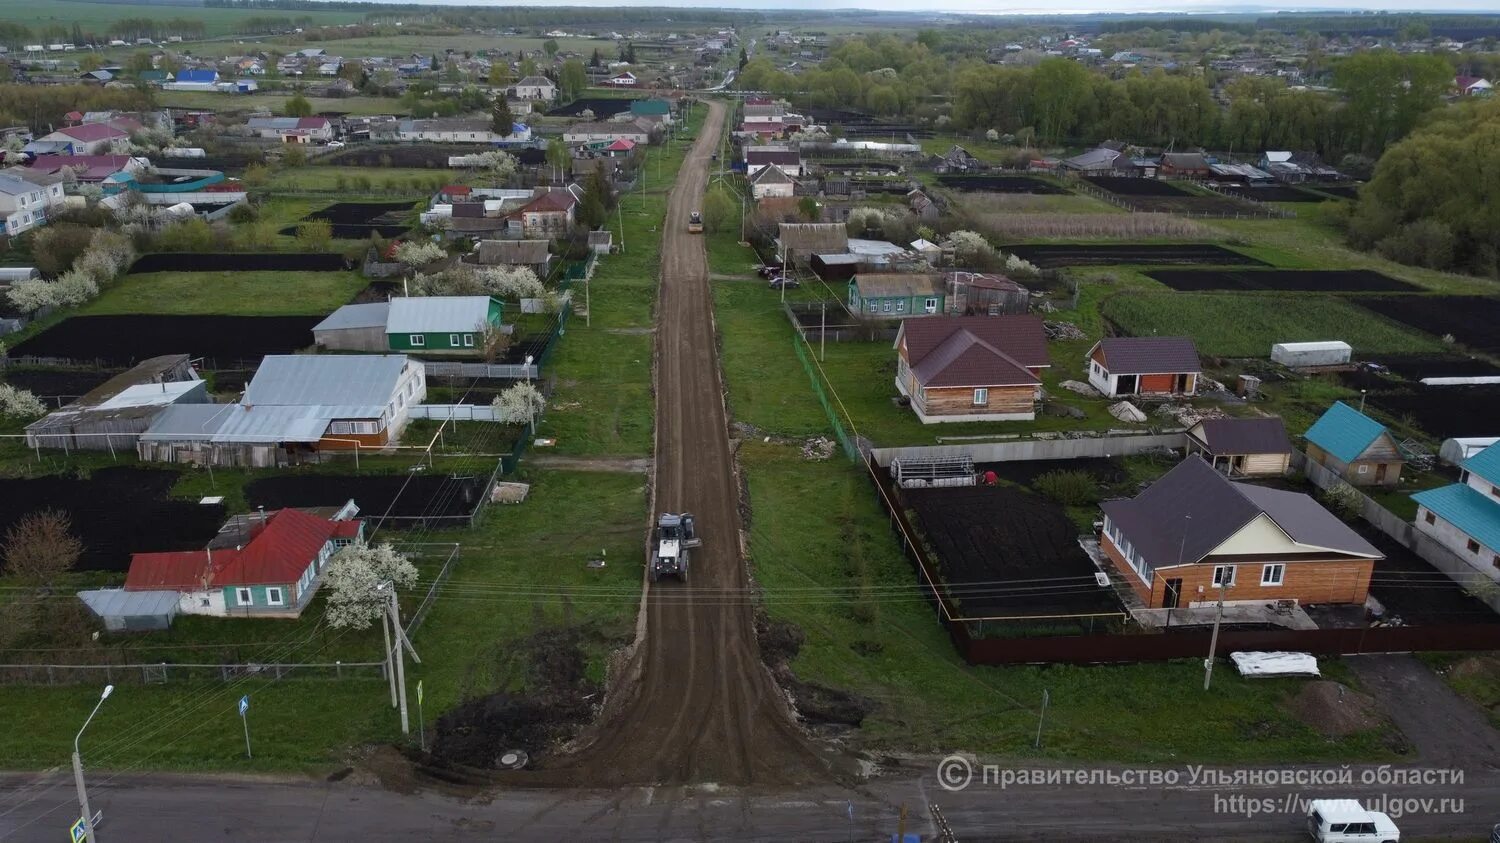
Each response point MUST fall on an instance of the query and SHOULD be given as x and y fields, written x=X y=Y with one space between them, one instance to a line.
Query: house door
x=1173 y=595
x=1125 y=385
x=1380 y=473
x=1180 y=384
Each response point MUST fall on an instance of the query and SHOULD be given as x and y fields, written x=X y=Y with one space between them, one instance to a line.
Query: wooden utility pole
x=1213 y=640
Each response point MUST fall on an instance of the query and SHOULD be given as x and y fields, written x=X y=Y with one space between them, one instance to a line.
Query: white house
x=1465 y=516
x=606 y=133
x=772 y=182
x=623 y=80
x=534 y=88
x=459 y=130
x=293 y=129
x=24 y=204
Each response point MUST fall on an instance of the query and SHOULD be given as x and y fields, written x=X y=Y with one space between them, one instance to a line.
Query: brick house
x=1195 y=530
x=971 y=368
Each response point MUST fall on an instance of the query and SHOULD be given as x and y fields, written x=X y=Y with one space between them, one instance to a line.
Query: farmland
x=250 y=293
x=217 y=21
x=239 y=262
x=1050 y=256
x=358 y=220
x=1471 y=320
x=1001 y=184
x=127 y=339
x=1232 y=325
x=1282 y=280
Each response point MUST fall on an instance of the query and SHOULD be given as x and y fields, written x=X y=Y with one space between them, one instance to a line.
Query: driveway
x=1447 y=730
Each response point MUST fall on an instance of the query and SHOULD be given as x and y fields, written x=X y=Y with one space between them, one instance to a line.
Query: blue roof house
x=194 y=79
x=1465 y=516
x=1355 y=447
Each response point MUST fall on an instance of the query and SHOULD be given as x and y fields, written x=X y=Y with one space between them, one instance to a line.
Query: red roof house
x=972 y=368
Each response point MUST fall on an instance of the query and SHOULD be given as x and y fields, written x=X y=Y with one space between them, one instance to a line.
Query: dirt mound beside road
x=1335 y=710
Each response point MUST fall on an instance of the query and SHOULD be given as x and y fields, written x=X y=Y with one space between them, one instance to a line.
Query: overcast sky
x=1013 y=7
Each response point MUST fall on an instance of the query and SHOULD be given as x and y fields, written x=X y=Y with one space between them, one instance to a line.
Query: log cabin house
x=1242 y=447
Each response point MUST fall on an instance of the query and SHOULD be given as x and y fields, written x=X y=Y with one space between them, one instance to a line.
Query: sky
x=1020 y=7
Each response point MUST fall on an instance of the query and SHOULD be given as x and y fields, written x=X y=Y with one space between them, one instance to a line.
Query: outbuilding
x=1298 y=355
x=1121 y=366
x=1242 y=447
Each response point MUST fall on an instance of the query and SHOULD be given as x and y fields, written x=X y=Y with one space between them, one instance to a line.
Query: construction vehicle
x=674 y=539
x=695 y=223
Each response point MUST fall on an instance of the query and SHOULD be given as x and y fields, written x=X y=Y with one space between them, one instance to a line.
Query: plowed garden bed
x=1282 y=280
x=399 y=496
x=1472 y=320
x=1126 y=186
x=1444 y=411
x=239 y=262
x=1050 y=256
x=358 y=220
x=1000 y=184
x=127 y=340
x=1277 y=193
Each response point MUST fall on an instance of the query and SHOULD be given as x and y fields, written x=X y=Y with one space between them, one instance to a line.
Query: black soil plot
x=603 y=107
x=1000 y=184
x=1414 y=367
x=127 y=340
x=1340 y=191
x=1472 y=320
x=358 y=220
x=405 y=497
x=1052 y=256
x=1006 y=553
x=1126 y=186
x=1411 y=589
x=52 y=384
x=115 y=512
x=1274 y=193
x=1108 y=472
x=1282 y=280
x=239 y=262
x=1444 y=411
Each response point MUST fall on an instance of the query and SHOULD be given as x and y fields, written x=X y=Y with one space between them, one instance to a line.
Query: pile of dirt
x=558 y=700
x=1484 y=668
x=1334 y=710
x=780 y=642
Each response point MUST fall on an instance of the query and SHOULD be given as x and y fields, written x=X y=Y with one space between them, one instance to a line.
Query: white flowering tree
x=415 y=253
x=511 y=282
x=18 y=403
x=354 y=577
x=500 y=165
x=520 y=404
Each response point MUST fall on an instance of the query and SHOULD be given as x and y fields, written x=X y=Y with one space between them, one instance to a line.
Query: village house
x=1125 y=366
x=459 y=130
x=86 y=169
x=303 y=130
x=1194 y=534
x=25 y=202
x=1255 y=447
x=1465 y=516
x=985 y=294
x=295 y=408
x=1184 y=165
x=534 y=88
x=263 y=564
x=550 y=215
x=1355 y=447
x=895 y=295
x=606 y=132
x=448 y=326
x=194 y=79
x=653 y=111
x=534 y=255
x=971 y=368
x=772 y=183
x=110 y=417
x=757 y=158
x=1100 y=161
x=622 y=80
x=87 y=138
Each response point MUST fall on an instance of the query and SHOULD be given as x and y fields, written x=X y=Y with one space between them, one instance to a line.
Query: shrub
x=18 y=403
x=56 y=247
x=1069 y=488
x=314 y=235
x=1344 y=500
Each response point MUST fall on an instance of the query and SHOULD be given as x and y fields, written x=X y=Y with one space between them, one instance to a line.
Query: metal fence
x=455 y=412
x=164 y=672
x=414 y=622
x=850 y=449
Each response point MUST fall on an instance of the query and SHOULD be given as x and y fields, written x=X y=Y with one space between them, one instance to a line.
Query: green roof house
x=1355 y=447
x=1465 y=516
x=655 y=109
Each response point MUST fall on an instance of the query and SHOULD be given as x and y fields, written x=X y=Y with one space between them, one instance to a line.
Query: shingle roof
x=1150 y=355
x=1245 y=436
x=963 y=359
x=513 y=252
x=438 y=314
x=1193 y=509
x=772 y=155
x=313 y=379
x=91 y=132
x=1485 y=464
x=1344 y=432
x=1466 y=508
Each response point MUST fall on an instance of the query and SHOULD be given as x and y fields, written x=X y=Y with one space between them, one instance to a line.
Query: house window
x=1495 y=490
x=1473 y=546
x=1224 y=576
x=468 y=340
x=275 y=597
x=453 y=340
x=418 y=340
x=886 y=305
x=1364 y=469
x=1430 y=518
x=243 y=597
x=901 y=305
x=1273 y=574
x=981 y=396
x=1496 y=561
x=930 y=306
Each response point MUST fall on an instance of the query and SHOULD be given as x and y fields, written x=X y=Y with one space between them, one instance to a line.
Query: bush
x=1344 y=500
x=243 y=213
x=314 y=235
x=1069 y=488
x=18 y=403
x=56 y=247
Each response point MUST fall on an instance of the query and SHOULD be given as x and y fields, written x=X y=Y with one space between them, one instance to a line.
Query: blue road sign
x=244 y=704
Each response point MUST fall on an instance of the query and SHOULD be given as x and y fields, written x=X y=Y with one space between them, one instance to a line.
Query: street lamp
x=83 y=795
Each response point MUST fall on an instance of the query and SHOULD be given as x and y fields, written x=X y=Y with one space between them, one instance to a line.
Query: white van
x=1346 y=821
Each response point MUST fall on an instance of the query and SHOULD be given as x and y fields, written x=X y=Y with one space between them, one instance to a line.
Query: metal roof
x=1149 y=355
x=438 y=314
x=1466 y=508
x=351 y=316
x=1344 y=432
x=315 y=379
x=119 y=603
x=1486 y=464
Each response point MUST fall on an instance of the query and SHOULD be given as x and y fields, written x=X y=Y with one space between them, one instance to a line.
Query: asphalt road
x=170 y=808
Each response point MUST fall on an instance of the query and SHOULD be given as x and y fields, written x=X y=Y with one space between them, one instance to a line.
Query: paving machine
x=675 y=538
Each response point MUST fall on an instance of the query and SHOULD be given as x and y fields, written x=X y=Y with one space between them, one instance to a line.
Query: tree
x=807 y=206
x=558 y=157
x=297 y=106
x=494 y=341
x=41 y=546
x=502 y=122
x=718 y=210
x=415 y=253
x=90 y=61
x=314 y=235
x=357 y=580
x=256 y=175
x=55 y=247
x=550 y=46
x=1060 y=88
x=139 y=62
x=527 y=67
x=596 y=60
x=499 y=74
x=520 y=404
x=19 y=403
x=499 y=164
x=294 y=156
x=572 y=79
x=744 y=58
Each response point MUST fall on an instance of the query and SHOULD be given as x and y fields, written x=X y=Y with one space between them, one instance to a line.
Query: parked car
x=1347 y=821
x=781 y=281
x=335 y=144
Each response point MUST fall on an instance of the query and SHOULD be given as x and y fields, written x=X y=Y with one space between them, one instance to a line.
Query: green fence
x=839 y=431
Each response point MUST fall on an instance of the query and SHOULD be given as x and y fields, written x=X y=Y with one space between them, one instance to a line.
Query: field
x=115 y=512
x=216 y=20
x=415 y=156
x=1283 y=280
x=358 y=220
x=1276 y=193
x=1004 y=552
x=378 y=495
x=1133 y=187
x=1235 y=325
x=1472 y=320
x=126 y=340
x=250 y=293
x=1444 y=412
x=1051 y=256
x=1417 y=366
x=239 y=262
x=53 y=384
x=1000 y=184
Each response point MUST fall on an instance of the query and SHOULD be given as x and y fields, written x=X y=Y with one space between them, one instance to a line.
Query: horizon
x=984 y=7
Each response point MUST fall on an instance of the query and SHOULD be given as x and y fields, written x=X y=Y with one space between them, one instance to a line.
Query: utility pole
x=1213 y=641
x=620 y=212
x=83 y=794
x=390 y=669
x=823 y=335
x=401 y=640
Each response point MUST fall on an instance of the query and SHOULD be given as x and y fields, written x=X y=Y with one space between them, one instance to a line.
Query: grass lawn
x=275 y=102
x=1475 y=676
x=345 y=181
x=234 y=293
x=872 y=637
x=1233 y=325
x=97 y=16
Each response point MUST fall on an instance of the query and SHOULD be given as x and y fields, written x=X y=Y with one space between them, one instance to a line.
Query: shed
x=114 y=414
x=799 y=241
x=1305 y=354
x=983 y=293
x=1356 y=447
x=600 y=242
x=532 y=254
x=1120 y=366
x=1242 y=447
x=1455 y=451
x=131 y=611
x=354 y=327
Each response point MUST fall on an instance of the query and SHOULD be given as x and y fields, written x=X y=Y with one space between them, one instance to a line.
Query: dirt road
x=703 y=708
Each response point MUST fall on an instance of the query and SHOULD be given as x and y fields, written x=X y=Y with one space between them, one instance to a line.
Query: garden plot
x=52 y=385
x=1276 y=193
x=1471 y=320
x=603 y=107
x=239 y=262
x=1444 y=412
x=1338 y=191
x=358 y=220
x=1000 y=184
x=1006 y=553
x=1414 y=591
x=115 y=512
x=403 y=496
x=1154 y=196
x=1283 y=280
x=1414 y=367
x=1051 y=256
x=127 y=340
x=1126 y=186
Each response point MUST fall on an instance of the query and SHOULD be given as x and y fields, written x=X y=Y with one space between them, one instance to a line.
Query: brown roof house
x=1242 y=447
x=532 y=254
x=1195 y=533
x=1121 y=366
x=797 y=242
x=971 y=368
x=1184 y=164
